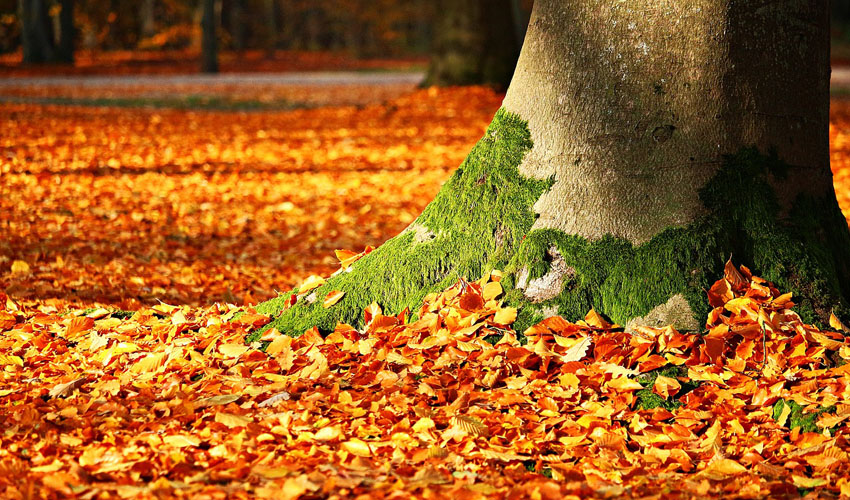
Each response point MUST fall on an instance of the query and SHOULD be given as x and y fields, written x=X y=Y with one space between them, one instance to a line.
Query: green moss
x=648 y=400
x=474 y=224
x=807 y=422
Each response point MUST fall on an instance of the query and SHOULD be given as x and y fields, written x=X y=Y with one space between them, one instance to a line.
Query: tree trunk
x=65 y=51
x=36 y=36
x=474 y=43
x=270 y=15
x=147 y=19
x=209 y=40
x=640 y=144
x=237 y=24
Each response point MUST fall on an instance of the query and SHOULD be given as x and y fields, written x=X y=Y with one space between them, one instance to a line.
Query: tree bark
x=237 y=24
x=209 y=40
x=640 y=144
x=65 y=50
x=36 y=36
x=147 y=19
x=473 y=43
x=270 y=14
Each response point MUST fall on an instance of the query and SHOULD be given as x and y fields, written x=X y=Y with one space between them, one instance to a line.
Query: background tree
x=36 y=32
x=640 y=145
x=65 y=50
x=147 y=19
x=474 y=42
x=209 y=37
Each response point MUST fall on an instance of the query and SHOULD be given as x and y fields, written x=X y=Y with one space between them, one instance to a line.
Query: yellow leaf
x=20 y=267
x=347 y=257
x=666 y=386
x=231 y=420
x=221 y=399
x=311 y=283
x=505 y=316
x=328 y=434
x=470 y=425
x=51 y=467
x=164 y=308
x=726 y=467
x=836 y=323
x=8 y=359
x=596 y=320
x=395 y=357
x=423 y=424
x=181 y=440
x=491 y=290
x=233 y=350
x=332 y=298
x=624 y=384
x=279 y=344
x=577 y=351
x=150 y=363
x=357 y=447
x=807 y=482
x=783 y=415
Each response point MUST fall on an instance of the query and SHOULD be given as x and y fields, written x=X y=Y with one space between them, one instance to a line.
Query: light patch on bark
x=550 y=284
x=676 y=312
x=421 y=234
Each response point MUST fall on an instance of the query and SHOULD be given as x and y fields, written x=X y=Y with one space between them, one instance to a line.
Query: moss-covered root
x=474 y=224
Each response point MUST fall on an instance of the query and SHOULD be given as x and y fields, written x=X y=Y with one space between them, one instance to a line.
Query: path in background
x=840 y=78
x=251 y=90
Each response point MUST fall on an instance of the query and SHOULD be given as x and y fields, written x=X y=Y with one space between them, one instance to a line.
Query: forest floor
x=131 y=234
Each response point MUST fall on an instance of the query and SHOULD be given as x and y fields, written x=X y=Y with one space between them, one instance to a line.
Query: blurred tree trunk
x=269 y=12
x=520 y=18
x=237 y=24
x=36 y=36
x=65 y=52
x=147 y=20
x=474 y=43
x=209 y=42
x=841 y=11
x=312 y=28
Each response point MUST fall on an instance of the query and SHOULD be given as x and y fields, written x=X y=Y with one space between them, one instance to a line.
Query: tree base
x=482 y=218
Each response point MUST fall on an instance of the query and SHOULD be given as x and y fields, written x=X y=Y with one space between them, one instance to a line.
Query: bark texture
x=474 y=43
x=36 y=32
x=640 y=145
x=209 y=39
x=65 y=50
x=626 y=99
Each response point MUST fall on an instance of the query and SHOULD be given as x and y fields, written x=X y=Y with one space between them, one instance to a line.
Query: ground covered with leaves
x=108 y=215
x=171 y=401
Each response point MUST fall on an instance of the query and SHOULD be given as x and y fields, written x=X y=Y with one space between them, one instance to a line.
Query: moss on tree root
x=474 y=224
x=481 y=220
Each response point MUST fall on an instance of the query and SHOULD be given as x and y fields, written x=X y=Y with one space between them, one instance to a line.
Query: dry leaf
x=332 y=298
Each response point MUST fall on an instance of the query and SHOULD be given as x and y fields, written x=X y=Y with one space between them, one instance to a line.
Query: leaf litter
x=172 y=402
